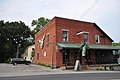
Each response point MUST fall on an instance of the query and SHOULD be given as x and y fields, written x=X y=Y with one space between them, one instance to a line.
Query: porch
x=95 y=55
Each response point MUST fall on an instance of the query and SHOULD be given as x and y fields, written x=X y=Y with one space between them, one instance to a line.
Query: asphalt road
x=75 y=76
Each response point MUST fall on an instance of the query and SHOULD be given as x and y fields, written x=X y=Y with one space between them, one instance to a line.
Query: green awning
x=107 y=47
x=89 y=46
x=70 y=45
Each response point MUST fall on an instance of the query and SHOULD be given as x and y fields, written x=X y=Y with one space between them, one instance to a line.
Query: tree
x=2 y=40
x=116 y=44
x=39 y=23
x=14 y=38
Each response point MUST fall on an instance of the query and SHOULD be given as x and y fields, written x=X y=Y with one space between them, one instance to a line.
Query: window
x=33 y=49
x=37 y=56
x=47 y=40
x=97 y=38
x=65 y=35
x=86 y=38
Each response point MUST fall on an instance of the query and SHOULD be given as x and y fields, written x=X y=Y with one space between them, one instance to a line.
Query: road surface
x=75 y=76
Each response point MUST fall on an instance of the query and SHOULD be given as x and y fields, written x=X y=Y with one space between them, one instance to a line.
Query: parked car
x=16 y=61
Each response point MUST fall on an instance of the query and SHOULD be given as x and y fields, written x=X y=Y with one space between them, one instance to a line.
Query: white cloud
x=105 y=13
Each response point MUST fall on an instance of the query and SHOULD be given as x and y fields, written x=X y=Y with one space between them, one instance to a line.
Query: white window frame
x=47 y=37
x=67 y=34
x=88 y=36
x=97 y=37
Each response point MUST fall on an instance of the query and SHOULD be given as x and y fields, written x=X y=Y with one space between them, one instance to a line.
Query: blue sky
x=106 y=14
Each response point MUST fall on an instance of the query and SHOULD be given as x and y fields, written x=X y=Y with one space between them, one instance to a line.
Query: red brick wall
x=97 y=31
x=51 y=29
x=77 y=26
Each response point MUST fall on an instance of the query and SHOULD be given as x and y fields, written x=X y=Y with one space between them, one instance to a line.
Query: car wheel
x=14 y=64
x=27 y=63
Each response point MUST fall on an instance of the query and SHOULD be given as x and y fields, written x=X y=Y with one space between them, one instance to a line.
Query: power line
x=90 y=8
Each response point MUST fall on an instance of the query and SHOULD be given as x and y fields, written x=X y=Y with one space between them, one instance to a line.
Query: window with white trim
x=65 y=35
x=97 y=38
x=86 y=38
x=47 y=44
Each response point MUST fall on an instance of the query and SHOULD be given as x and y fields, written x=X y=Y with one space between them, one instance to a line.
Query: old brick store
x=63 y=41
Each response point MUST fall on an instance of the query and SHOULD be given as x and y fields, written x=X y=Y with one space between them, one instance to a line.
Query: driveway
x=23 y=70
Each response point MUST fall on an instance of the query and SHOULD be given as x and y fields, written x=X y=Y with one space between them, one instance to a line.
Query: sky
x=106 y=13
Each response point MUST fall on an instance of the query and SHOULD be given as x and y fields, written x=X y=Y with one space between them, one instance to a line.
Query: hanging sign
x=83 y=51
x=42 y=42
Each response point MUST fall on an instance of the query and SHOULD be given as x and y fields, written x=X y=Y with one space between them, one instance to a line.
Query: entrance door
x=80 y=57
x=66 y=57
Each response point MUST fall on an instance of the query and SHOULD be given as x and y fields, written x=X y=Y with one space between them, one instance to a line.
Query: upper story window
x=48 y=35
x=48 y=38
x=97 y=38
x=37 y=56
x=65 y=35
x=86 y=37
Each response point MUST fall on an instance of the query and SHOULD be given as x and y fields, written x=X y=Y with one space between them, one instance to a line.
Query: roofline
x=103 y=31
x=86 y=22
x=44 y=26
x=73 y=20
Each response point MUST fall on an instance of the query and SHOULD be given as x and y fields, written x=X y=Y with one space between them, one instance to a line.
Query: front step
x=115 y=67
x=99 y=67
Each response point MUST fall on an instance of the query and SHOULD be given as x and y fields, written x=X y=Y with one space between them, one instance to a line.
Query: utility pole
x=53 y=56
x=17 y=41
x=52 y=61
x=17 y=50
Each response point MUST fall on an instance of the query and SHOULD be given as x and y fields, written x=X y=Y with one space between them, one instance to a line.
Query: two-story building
x=64 y=41
x=28 y=53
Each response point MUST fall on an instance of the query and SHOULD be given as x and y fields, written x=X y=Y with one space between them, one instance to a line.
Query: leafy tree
x=14 y=37
x=39 y=23
x=2 y=39
x=116 y=44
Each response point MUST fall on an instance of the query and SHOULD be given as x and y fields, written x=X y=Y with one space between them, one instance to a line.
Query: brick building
x=62 y=41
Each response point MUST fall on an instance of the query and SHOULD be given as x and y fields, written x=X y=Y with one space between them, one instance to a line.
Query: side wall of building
x=47 y=53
